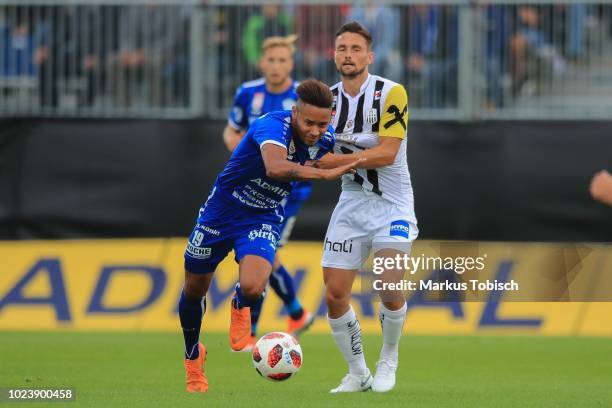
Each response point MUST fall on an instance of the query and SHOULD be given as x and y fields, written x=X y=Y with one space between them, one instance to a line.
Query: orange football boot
x=299 y=326
x=240 y=328
x=249 y=346
x=194 y=369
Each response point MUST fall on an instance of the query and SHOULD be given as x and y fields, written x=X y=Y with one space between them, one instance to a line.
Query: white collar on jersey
x=361 y=90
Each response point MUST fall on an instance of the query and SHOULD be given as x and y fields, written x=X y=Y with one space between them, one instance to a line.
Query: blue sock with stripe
x=282 y=283
x=190 y=314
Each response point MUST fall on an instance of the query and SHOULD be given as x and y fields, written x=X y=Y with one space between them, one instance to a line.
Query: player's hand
x=336 y=173
x=232 y=137
x=601 y=187
x=328 y=161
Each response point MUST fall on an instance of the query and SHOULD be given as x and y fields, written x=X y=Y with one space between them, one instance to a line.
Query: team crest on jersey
x=349 y=124
x=291 y=150
x=371 y=116
x=288 y=103
x=257 y=103
x=377 y=95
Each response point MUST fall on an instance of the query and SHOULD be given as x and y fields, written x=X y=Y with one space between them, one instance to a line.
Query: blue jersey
x=253 y=99
x=244 y=180
x=243 y=211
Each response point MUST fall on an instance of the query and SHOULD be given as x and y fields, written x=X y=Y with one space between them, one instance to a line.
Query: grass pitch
x=145 y=370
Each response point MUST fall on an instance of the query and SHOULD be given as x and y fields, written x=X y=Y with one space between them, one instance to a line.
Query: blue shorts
x=223 y=226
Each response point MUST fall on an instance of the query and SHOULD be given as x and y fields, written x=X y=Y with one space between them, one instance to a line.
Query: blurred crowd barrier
x=135 y=285
x=458 y=59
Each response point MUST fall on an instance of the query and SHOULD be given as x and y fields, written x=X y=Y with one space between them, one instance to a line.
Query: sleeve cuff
x=272 y=142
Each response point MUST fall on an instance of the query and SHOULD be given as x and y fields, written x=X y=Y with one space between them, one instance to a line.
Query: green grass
x=145 y=370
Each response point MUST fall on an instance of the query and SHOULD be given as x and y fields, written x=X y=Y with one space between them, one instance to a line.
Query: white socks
x=392 y=322
x=347 y=334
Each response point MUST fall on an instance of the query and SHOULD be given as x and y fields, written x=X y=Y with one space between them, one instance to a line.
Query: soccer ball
x=277 y=356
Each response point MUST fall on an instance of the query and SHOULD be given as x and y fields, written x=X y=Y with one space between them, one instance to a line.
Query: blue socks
x=281 y=282
x=241 y=301
x=255 y=312
x=190 y=314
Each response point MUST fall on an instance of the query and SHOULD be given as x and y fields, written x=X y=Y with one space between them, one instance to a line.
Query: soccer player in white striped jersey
x=375 y=211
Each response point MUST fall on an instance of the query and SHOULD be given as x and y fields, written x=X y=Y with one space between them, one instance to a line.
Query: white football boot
x=354 y=383
x=384 y=379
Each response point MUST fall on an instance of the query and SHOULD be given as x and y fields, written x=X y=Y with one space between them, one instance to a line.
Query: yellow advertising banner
x=135 y=285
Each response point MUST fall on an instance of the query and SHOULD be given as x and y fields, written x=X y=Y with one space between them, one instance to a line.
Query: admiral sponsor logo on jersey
x=269 y=187
x=400 y=228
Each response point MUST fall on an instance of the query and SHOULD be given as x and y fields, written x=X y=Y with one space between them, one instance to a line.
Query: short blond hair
x=277 y=41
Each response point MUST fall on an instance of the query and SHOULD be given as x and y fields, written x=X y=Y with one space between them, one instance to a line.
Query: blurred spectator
x=223 y=43
x=99 y=40
x=532 y=52
x=497 y=34
x=270 y=22
x=601 y=187
x=18 y=47
x=147 y=36
x=176 y=64
x=574 y=18
x=384 y=25
x=316 y=28
x=432 y=56
x=47 y=54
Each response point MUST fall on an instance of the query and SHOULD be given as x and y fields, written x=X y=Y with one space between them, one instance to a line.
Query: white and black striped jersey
x=379 y=110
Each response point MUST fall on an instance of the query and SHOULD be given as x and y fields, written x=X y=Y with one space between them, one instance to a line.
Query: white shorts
x=362 y=222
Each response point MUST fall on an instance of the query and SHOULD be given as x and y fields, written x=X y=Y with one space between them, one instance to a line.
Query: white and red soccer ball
x=277 y=356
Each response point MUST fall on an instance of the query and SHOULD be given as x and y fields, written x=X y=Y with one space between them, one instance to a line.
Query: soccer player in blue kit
x=243 y=211
x=275 y=91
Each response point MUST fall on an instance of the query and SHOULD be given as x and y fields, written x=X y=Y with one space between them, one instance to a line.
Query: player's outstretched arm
x=232 y=137
x=278 y=167
x=381 y=155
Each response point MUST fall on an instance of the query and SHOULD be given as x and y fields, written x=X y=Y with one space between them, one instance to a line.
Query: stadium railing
x=461 y=59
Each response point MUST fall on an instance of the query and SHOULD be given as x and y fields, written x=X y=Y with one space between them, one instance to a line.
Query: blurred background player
x=275 y=91
x=375 y=210
x=243 y=213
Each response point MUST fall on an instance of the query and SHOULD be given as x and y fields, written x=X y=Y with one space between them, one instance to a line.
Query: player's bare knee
x=336 y=298
x=193 y=291
x=196 y=285
x=394 y=304
x=252 y=291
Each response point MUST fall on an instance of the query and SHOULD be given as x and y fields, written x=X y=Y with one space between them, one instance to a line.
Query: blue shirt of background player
x=244 y=182
x=252 y=99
